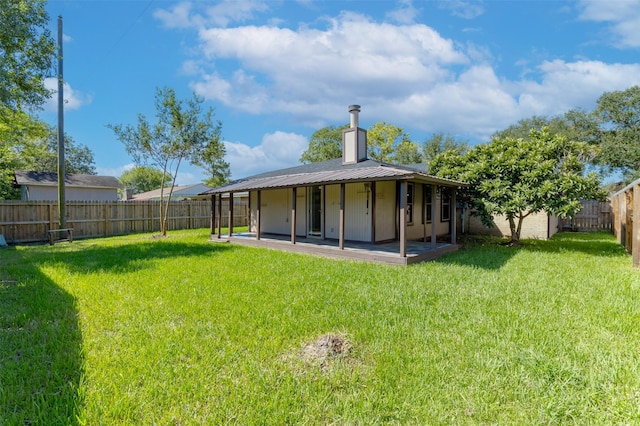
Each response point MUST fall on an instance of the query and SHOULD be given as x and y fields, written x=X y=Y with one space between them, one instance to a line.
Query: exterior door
x=316 y=226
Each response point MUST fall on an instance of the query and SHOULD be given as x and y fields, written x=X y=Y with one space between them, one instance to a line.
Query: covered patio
x=386 y=253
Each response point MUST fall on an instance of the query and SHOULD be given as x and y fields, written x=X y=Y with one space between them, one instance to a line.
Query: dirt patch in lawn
x=325 y=352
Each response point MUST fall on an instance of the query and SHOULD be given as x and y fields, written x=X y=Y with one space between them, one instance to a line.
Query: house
x=43 y=186
x=180 y=192
x=349 y=207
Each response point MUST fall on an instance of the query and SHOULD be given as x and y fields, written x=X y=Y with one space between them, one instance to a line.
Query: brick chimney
x=354 y=139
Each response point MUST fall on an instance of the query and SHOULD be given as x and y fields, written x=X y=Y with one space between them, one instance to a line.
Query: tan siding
x=385 y=211
x=332 y=211
x=275 y=211
x=534 y=226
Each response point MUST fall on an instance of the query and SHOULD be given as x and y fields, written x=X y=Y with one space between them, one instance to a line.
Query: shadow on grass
x=40 y=350
x=492 y=253
x=480 y=252
x=131 y=257
x=41 y=361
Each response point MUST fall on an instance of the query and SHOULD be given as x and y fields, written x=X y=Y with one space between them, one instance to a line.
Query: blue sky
x=277 y=70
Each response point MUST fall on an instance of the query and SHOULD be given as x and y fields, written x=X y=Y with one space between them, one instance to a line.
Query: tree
x=439 y=143
x=183 y=131
x=382 y=140
x=26 y=54
x=42 y=155
x=142 y=179
x=211 y=156
x=36 y=148
x=517 y=177
x=324 y=144
x=618 y=114
x=18 y=127
x=407 y=152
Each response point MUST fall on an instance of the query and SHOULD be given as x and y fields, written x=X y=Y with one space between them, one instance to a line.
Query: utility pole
x=61 y=169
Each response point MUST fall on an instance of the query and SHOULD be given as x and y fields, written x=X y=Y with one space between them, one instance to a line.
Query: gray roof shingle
x=23 y=177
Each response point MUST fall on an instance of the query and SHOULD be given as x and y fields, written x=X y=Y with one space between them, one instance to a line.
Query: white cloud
x=221 y=14
x=406 y=13
x=73 y=99
x=278 y=150
x=281 y=69
x=178 y=17
x=114 y=171
x=623 y=16
x=407 y=74
x=463 y=9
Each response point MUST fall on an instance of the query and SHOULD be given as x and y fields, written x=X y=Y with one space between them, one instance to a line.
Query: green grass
x=134 y=330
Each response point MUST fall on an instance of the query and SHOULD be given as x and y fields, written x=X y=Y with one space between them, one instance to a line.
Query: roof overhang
x=367 y=174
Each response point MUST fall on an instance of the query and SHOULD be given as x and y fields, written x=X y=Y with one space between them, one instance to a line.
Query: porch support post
x=341 y=230
x=259 y=197
x=454 y=231
x=219 y=215
x=403 y=219
x=230 y=214
x=373 y=212
x=424 y=212
x=212 y=225
x=293 y=214
x=435 y=217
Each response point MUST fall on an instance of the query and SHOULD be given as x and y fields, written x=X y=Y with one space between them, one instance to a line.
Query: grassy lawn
x=135 y=330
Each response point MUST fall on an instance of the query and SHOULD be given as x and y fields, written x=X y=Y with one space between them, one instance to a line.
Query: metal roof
x=331 y=172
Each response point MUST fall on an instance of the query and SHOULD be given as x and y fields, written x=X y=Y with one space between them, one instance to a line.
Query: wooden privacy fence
x=29 y=221
x=626 y=219
x=593 y=216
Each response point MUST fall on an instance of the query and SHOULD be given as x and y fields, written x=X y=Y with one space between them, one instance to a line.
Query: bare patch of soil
x=326 y=351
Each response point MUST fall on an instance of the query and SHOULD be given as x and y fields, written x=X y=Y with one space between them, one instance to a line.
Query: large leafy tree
x=618 y=115
x=324 y=144
x=183 y=131
x=517 y=177
x=142 y=179
x=26 y=54
x=42 y=155
x=382 y=140
x=407 y=152
x=37 y=149
x=439 y=143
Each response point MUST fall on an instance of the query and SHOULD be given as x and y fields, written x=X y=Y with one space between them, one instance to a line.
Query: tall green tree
x=37 y=149
x=407 y=152
x=18 y=128
x=383 y=139
x=42 y=155
x=182 y=132
x=439 y=143
x=618 y=115
x=518 y=177
x=142 y=179
x=211 y=156
x=324 y=144
x=26 y=54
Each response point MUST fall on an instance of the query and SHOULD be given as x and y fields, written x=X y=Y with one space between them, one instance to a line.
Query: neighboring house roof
x=23 y=177
x=332 y=171
x=179 y=191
